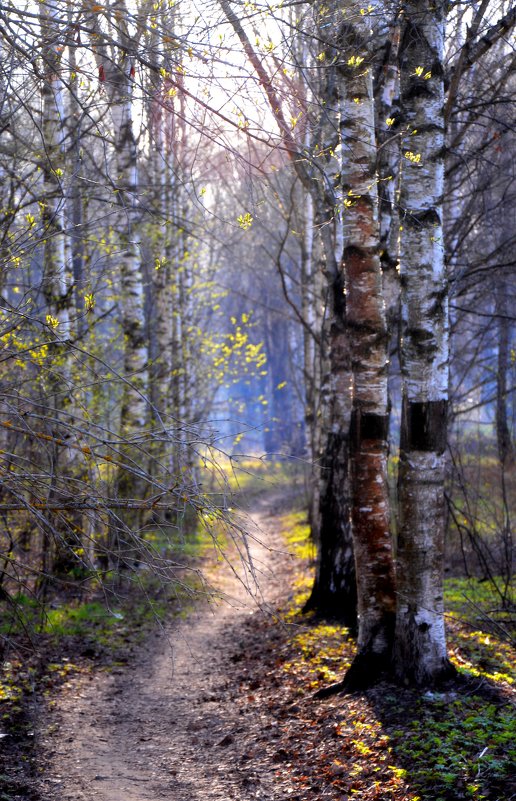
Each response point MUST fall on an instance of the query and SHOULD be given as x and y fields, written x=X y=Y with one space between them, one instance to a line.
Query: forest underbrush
x=90 y=622
x=81 y=627
x=455 y=742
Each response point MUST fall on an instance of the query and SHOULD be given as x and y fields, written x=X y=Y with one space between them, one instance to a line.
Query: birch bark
x=56 y=280
x=334 y=590
x=160 y=115
x=420 y=649
x=366 y=324
x=114 y=49
x=386 y=88
x=117 y=71
x=74 y=202
x=311 y=360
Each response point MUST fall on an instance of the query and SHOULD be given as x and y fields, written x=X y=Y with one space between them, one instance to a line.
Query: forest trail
x=165 y=726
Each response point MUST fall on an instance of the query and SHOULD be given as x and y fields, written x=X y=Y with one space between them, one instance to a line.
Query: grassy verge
x=96 y=624
x=392 y=743
x=81 y=630
x=246 y=477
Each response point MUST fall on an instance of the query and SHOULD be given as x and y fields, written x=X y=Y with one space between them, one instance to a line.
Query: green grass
x=209 y=533
x=433 y=745
x=460 y=745
x=95 y=620
x=472 y=597
x=250 y=475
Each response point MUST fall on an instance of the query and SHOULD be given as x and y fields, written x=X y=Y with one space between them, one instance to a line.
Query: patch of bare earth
x=180 y=721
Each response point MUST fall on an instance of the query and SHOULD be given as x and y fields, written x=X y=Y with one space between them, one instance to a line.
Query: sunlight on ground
x=434 y=746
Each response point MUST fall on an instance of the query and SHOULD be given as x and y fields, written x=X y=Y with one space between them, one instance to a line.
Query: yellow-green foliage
x=469 y=596
x=478 y=647
x=427 y=745
x=24 y=349
x=246 y=474
x=296 y=532
x=479 y=654
x=232 y=355
x=326 y=650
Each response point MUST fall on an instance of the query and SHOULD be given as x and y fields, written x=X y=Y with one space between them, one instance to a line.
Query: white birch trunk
x=163 y=188
x=420 y=650
x=387 y=121
x=366 y=325
x=334 y=590
x=56 y=280
x=118 y=80
x=74 y=203
x=135 y=352
x=308 y=312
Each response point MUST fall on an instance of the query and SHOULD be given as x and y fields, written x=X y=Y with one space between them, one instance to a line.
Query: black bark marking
x=424 y=426
x=422 y=219
x=339 y=297
x=367 y=426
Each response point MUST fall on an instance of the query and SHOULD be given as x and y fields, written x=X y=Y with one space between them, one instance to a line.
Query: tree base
x=366 y=670
x=414 y=677
x=337 y=608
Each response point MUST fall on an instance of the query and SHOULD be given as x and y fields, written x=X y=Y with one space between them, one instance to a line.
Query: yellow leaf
x=53 y=322
x=89 y=302
x=245 y=221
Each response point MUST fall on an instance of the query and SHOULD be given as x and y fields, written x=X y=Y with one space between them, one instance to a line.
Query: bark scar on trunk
x=367 y=426
x=425 y=428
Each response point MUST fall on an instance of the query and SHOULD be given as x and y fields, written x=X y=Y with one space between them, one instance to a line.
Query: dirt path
x=171 y=726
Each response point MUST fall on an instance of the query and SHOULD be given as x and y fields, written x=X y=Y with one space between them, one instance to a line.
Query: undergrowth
x=96 y=622
x=94 y=626
x=390 y=742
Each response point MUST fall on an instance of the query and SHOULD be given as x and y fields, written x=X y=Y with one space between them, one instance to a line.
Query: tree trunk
x=420 y=650
x=366 y=324
x=334 y=592
x=311 y=361
x=503 y=431
x=117 y=71
x=75 y=201
x=161 y=164
x=387 y=122
x=116 y=67
x=56 y=283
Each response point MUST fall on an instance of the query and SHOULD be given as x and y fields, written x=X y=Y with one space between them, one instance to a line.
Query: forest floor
x=219 y=704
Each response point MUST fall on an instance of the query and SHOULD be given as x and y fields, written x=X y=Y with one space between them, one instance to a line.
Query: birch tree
x=420 y=647
x=117 y=73
x=366 y=325
x=334 y=590
x=56 y=280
